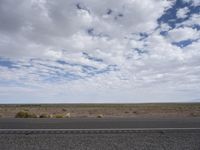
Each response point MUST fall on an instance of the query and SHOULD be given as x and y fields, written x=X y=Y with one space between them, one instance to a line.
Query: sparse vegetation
x=50 y=116
x=25 y=109
x=44 y=116
x=134 y=112
x=67 y=115
x=100 y=116
x=64 y=109
x=108 y=110
x=194 y=114
x=23 y=114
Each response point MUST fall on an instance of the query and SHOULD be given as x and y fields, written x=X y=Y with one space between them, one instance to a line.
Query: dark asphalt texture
x=124 y=141
x=47 y=134
x=102 y=123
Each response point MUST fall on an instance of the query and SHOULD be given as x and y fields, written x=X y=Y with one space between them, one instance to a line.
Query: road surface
x=100 y=134
x=102 y=123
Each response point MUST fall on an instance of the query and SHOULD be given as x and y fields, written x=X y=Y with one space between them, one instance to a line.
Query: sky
x=86 y=51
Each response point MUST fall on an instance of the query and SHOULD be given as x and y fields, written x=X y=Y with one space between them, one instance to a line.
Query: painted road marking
x=98 y=131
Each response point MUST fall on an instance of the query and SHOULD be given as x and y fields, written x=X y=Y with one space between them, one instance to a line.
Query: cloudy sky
x=73 y=51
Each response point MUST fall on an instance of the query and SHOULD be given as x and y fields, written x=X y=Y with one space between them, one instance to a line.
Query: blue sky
x=99 y=51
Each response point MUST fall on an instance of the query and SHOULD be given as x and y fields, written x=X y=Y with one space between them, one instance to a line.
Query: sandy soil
x=103 y=110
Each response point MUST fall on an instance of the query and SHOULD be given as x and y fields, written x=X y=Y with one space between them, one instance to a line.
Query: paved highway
x=100 y=134
x=108 y=123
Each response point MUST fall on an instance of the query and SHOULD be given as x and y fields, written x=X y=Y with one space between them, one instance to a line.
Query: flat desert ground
x=101 y=110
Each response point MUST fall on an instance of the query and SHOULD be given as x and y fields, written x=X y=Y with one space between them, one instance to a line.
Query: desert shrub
x=43 y=116
x=23 y=114
x=100 y=116
x=135 y=112
x=32 y=115
x=64 y=109
x=51 y=116
x=67 y=115
x=194 y=114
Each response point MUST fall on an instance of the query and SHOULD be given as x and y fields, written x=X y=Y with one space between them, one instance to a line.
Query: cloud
x=185 y=33
x=34 y=27
x=182 y=13
x=102 y=51
x=194 y=2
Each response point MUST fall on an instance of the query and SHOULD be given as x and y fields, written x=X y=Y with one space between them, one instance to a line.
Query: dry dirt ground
x=103 y=110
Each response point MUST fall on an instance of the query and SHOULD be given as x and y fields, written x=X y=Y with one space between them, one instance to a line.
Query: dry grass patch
x=100 y=116
x=64 y=109
x=67 y=115
x=23 y=114
x=44 y=116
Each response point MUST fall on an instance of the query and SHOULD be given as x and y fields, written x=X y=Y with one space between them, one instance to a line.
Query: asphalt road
x=102 y=123
x=100 y=134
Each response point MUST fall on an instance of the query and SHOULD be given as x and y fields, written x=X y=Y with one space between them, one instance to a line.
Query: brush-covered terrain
x=99 y=110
